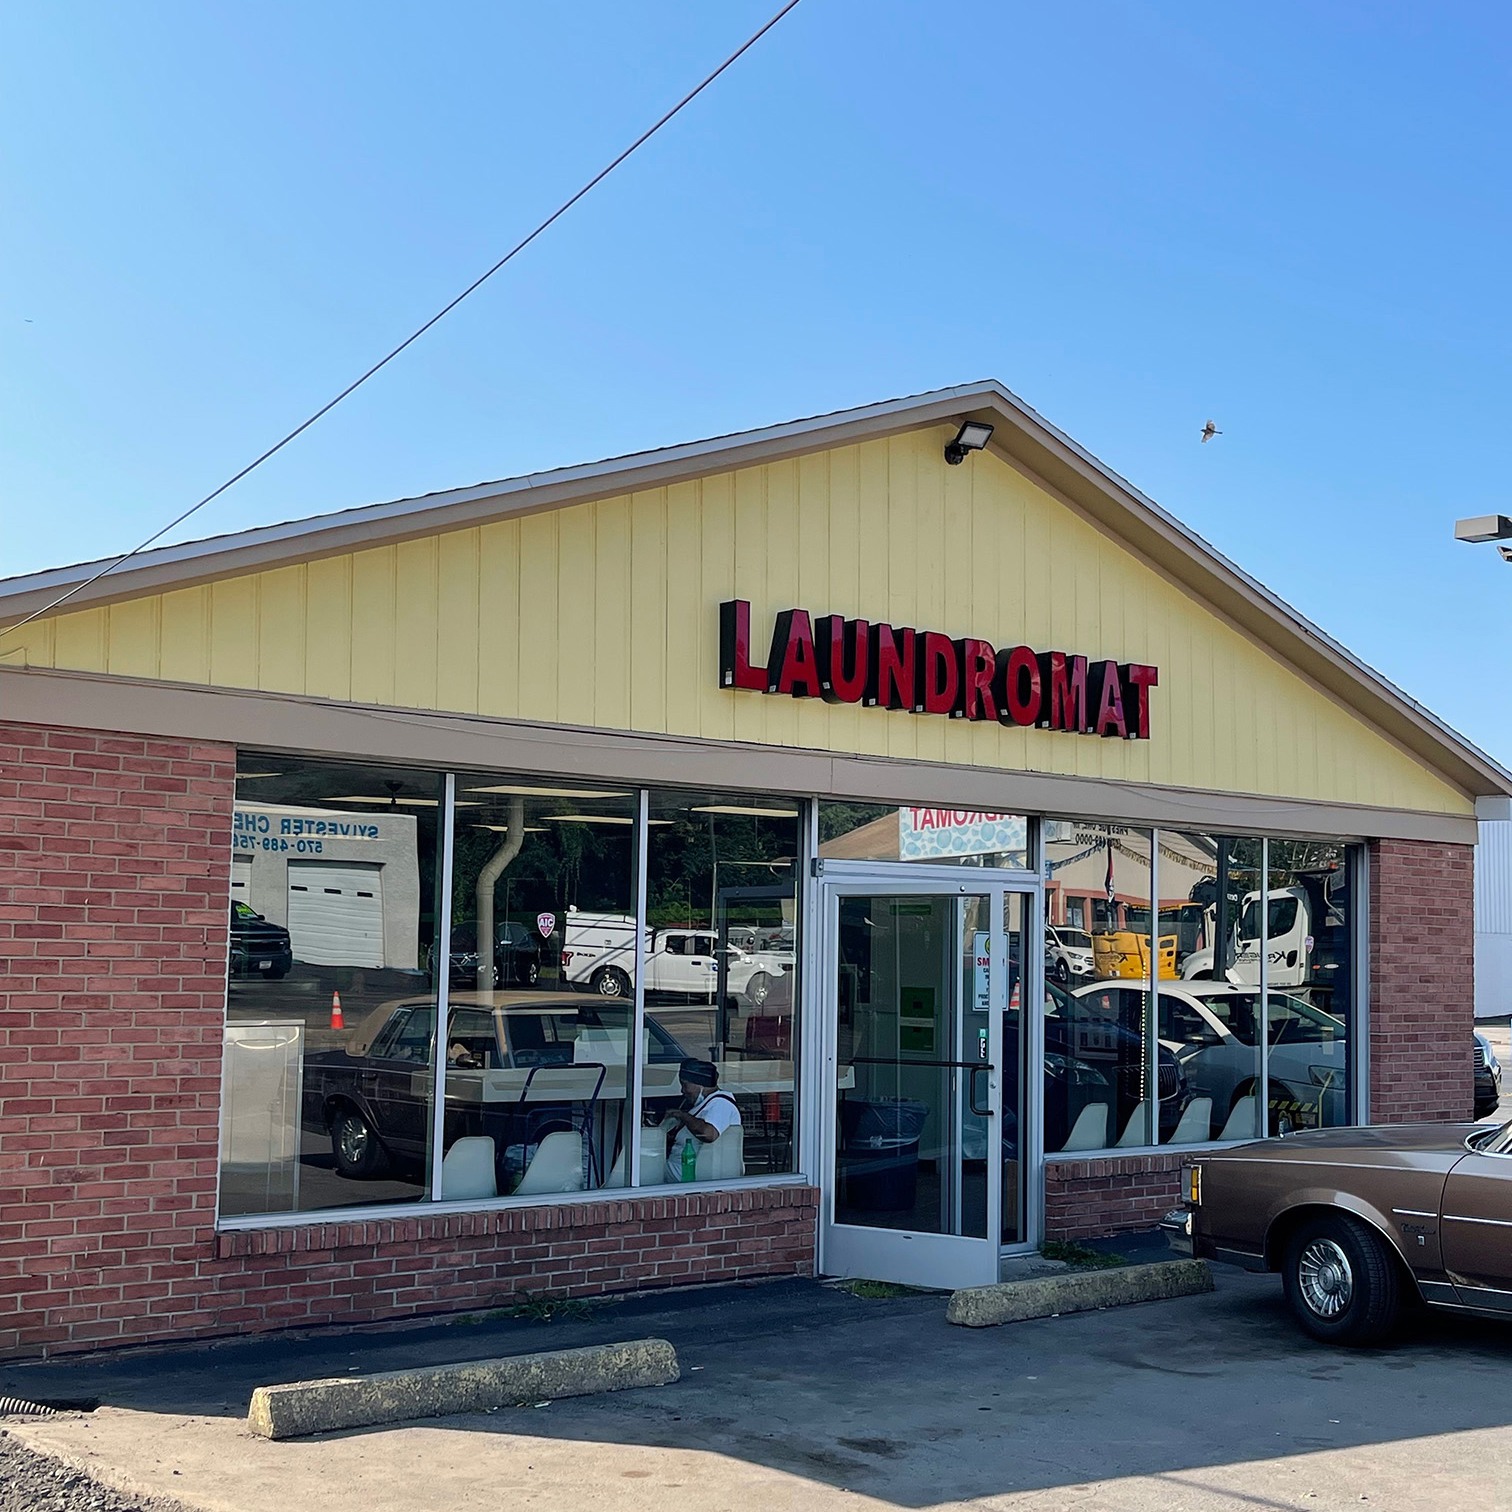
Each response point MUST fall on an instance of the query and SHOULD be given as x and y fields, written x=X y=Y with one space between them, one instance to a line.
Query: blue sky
x=1293 y=218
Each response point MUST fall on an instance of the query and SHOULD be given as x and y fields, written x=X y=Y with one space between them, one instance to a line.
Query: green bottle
x=690 y=1159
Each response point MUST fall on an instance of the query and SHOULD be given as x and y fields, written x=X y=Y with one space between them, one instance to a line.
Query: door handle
x=971 y=1092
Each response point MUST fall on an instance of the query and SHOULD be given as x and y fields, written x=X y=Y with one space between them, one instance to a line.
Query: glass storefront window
x=538 y=1045
x=953 y=836
x=1108 y=1082
x=721 y=984
x=1308 y=947
x=329 y=1081
x=1207 y=1019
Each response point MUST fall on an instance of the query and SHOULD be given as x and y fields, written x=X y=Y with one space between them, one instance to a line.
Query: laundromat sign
x=925 y=672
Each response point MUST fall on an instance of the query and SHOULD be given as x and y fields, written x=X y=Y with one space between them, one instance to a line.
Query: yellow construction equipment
x=1125 y=954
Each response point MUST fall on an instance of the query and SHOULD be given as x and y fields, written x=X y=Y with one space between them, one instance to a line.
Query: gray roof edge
x=1277 y=606
x=391 y=511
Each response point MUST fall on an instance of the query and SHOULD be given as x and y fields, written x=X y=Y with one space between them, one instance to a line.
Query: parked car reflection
x=374 y=1095
x=517 y=956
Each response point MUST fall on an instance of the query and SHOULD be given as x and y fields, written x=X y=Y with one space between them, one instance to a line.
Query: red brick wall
x=1117 y=1194
x=113 y=899
x=1422 y=980
x=114 y=890
x=395 y=1267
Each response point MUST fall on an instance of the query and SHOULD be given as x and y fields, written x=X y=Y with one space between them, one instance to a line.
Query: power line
x=415 y=335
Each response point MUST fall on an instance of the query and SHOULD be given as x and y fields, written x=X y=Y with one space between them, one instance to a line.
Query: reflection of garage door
x=336 y=913
x=241 y=878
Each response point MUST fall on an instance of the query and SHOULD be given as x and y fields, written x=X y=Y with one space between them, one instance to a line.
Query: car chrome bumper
x=1177 y=1227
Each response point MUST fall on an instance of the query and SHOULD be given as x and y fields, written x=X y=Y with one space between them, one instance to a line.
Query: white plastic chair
x=653 y=1156
x=724 y=1158
x=1196 y=1122
x=1090 y=1131
x=1241 y=1120
x=556 y=1166
x=1134 y=1130
x=467 y=1169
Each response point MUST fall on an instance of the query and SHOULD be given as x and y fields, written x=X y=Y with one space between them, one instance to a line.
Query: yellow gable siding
x=606 y=614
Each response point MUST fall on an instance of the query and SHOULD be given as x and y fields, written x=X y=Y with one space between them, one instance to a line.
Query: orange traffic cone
x=1013 y=1001
x=337 y=1022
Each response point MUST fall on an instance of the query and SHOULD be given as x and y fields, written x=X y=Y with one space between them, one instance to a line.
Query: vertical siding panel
x=754 y=566
x=1134 y=647
x=539 y=624
x=133 y=636
x=233 y=632
x=873 y=566
x=281 y=629
x=80 y=642
x=658 y=650
x=902 y=602
x=615 y=667
x=781 y=548
x=933 y=736
x=416 y=622
x=720 y=575
x=500 y=616
x=587 y=590
x=458 y=639
x=812 y=535
x=186 y=635
x=328 y=627
x=690 y=603
x=372 y=627
x=1322 y=735
x=843 y=593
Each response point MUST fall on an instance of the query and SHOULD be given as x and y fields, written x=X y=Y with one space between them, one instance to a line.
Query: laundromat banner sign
x=926 y=672
x=925 y=833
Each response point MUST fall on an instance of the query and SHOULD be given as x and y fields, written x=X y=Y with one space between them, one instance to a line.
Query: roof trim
x=1021 y=436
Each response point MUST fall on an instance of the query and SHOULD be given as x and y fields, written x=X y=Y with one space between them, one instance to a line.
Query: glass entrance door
x=921 y=1155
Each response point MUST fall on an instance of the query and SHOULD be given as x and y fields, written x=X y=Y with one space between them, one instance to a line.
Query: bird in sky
x=1209 y=431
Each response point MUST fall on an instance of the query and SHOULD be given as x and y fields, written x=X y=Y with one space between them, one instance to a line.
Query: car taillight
x=1194 y=1185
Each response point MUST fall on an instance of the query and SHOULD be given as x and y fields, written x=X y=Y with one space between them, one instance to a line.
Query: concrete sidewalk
x=796 y=1395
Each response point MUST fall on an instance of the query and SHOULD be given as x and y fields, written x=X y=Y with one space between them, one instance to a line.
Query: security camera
x=1505 y=552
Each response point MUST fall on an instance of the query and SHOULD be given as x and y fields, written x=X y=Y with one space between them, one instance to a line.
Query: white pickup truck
x=598 y=952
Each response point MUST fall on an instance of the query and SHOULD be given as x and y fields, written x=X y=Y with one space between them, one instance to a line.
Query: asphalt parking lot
x=796 y=1395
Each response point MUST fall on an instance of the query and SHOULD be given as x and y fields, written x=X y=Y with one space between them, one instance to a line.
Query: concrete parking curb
x=1077 y=1291
x=305 y=1407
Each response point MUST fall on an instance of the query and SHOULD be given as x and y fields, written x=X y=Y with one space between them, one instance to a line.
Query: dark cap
x=700 y=1073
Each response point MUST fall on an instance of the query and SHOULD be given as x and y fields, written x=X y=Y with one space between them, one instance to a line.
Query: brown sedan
x=1359 y=1221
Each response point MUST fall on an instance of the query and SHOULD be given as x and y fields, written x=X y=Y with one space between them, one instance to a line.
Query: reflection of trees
x=680 y=864
x=836 y=819
x=565 y=865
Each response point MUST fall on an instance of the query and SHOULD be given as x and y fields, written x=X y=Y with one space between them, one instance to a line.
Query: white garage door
x=241 y=878
x=336 y=913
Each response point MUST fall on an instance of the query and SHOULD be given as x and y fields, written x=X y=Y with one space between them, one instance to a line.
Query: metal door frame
x=957 y=1260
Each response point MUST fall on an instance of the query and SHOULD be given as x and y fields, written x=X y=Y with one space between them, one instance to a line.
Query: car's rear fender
x=1321 y=1201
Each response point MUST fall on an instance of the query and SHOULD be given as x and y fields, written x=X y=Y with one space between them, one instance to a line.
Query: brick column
x=1422 y=980
x=114 y=891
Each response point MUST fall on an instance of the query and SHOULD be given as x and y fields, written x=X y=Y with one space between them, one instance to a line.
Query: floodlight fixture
x=972 y=436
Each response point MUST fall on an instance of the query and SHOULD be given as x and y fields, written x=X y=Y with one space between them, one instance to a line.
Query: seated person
x=705 y=1112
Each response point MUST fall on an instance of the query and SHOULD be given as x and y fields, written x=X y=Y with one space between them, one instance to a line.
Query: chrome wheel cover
x=353 y=1138
x=1325 y=1278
